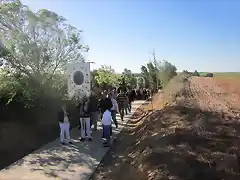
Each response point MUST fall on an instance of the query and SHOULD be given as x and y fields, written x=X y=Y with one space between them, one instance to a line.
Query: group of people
x=92 y=109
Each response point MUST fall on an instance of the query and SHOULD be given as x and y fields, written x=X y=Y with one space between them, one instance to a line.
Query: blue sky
x=191 y=34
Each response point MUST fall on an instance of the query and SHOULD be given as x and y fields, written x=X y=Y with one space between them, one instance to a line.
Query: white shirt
x=107 y=118
x=115 y=104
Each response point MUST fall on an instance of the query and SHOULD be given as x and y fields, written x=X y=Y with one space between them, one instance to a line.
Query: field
x=195 y=136
x=223 y=74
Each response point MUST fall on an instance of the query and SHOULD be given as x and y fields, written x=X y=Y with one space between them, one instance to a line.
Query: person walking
x=122 y=101
x=107 y=123
x=104 y=104
x=114 y=93
x=129 y=100
x=114 y=110
x=94 y=111
x=132 y=96
x=64 y=125
x=84 y=112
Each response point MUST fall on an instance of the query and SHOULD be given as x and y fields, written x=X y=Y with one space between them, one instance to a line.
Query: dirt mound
x=195 y=136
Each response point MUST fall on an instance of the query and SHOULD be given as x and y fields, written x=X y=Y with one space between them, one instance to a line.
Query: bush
x=196 y=73
x=22 y=96
x=209 y=75
x=176 y=87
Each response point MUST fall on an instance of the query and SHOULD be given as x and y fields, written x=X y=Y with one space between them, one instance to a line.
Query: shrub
x=196 y=73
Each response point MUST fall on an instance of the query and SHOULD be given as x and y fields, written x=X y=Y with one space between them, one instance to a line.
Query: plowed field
x=194 y=138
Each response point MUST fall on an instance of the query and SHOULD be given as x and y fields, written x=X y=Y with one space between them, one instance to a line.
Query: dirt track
x=213 y=96
x=196 y=138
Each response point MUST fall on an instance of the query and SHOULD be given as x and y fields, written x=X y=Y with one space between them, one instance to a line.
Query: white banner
x=79 y=82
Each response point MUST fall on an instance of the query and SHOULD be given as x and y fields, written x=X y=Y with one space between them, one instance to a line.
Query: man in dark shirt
x=122 y=101
x=84 y=114
x=131 y=97
x=104 y=104
x=94 y=111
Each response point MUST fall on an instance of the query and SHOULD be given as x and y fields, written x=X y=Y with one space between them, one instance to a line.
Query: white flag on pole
x=79 y=84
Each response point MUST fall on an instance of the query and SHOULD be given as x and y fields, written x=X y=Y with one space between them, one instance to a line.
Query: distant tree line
x=196 y=73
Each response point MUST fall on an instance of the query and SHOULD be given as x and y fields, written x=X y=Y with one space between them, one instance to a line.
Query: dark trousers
x=106 y=132
x=103 y=136
x=110 y=128
x=130 y=106
x=114 y=114
x=121 y=111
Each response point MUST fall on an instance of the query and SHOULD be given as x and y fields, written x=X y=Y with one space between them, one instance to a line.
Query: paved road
x=70 y=162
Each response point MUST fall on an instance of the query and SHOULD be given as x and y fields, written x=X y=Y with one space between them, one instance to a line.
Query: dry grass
x=186 y=139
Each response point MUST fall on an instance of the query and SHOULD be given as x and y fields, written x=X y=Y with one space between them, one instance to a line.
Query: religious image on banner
x=79 y=84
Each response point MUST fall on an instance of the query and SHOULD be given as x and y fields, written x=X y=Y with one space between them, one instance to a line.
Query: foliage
x=176 y=87
x=145 y=75
x=157 y=73
x=93 y=78
x=209 y=75
x=166 y=71
x=37 y=44
x=34 y=51
x=106 y=77
x=20 y=89
x=129 y=78
x=152 y=75
x=196 y=73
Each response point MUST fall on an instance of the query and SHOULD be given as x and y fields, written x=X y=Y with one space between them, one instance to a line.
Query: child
x=107 y=123
x=64 y=125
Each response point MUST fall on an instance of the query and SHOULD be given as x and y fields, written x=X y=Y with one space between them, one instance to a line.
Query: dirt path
x=121 y=161
x=53 y=161
x=197 y=138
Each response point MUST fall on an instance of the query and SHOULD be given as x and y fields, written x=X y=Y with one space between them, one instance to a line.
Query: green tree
x=37 y=44
x=145 y=75
x=166 y=71
x=93 y=78
x=196 y=73
x=106 y=77
x=152 y=75
x=129 y=78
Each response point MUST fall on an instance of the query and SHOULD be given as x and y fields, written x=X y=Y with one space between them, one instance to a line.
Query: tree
x=106 y=77
x=166 y=71
x=196 y=73
x=152 y=75
x=93 y=78
x=145 y=75
x=37 y=44
x=129 y=78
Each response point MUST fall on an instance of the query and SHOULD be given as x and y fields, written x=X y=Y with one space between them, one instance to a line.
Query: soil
x=196 y=137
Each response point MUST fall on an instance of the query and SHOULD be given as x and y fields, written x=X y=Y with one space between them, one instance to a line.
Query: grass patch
x=222 y=74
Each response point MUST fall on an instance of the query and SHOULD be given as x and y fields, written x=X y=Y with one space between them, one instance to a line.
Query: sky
x=202 y=35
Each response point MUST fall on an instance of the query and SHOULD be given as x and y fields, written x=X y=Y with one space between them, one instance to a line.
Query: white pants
x=85 y=126
x=64 y=129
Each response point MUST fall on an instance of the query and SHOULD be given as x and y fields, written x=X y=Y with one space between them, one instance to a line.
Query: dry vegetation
x=194 y=136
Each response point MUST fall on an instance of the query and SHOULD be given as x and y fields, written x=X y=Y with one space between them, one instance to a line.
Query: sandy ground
x=196 y=137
